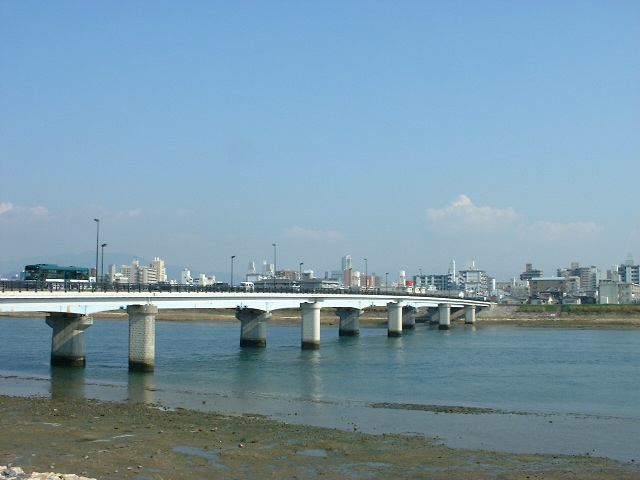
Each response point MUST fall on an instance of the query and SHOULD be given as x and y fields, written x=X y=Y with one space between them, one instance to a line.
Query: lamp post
x=274 y=265
x=97 y=220
x=102 y=264
x=232 y=257
x=300 y=281
x=366 y=274
x=386 y=281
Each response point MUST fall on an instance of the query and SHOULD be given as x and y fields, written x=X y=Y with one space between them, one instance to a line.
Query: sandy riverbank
x=136 y=441
x=377 y=317
x=580 y=318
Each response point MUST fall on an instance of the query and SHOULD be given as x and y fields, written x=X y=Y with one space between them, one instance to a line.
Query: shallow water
x=551 y=390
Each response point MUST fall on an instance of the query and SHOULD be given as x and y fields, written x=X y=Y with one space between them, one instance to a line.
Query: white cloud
x=5 y=207
x=546 y=231
x=18 y=210
x=120 y=214
x=299 y=232
x=185 y=212
x=462 y=214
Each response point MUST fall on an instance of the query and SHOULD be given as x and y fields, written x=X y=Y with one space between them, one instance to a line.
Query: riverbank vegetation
x=585 y=309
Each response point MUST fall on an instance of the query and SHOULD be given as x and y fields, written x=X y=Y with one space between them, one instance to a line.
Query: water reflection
x=140 y=387
x=398 y=355
x=251 y=371
x=311 y=382
x=67 y=383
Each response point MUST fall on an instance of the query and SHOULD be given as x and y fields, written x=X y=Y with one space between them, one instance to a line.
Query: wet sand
x=136 y=441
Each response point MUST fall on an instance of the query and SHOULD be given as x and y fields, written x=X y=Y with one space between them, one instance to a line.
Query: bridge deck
x=88 y=302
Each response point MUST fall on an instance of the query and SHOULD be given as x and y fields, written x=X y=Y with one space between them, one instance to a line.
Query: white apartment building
x=157 y=265
x=136 y=273
x=185 y=277
x=474 y=282
x=618 y=293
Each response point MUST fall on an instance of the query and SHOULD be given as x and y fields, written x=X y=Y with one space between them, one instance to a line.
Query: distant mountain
x=13 y=268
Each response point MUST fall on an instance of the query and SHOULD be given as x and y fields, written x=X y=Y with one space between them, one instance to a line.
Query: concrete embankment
x=16 y=473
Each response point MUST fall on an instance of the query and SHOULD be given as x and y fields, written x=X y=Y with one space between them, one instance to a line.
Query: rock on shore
x=16 y=473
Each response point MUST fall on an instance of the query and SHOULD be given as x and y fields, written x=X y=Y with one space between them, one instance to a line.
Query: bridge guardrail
x=35 y=286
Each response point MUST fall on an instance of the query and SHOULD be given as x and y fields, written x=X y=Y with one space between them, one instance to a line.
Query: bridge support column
x=253 y=331
x=67 y=341
x=349 y=321
x=409 y=317
x=142 y=337
x=394 y=319
x=470 y=314
x=444 y=316
x=310 y=313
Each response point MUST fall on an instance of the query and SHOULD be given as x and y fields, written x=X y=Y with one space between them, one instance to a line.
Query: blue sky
x=409 y=133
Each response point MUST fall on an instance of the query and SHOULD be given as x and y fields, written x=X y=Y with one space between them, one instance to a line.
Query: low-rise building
x=319 y=284
x=555 y=285
x=618 y=293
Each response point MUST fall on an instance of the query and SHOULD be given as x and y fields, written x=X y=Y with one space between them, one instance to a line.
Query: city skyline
x=222 y=273
x=407 y=133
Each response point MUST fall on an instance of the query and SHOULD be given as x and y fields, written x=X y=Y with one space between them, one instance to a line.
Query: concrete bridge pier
x=394 y=319
x=470 y=314
x=409 y=317
x=253 y=331
x=310 y=313
x=444 y=316
x=142 y=337
x=349 y=321
x=67 y=341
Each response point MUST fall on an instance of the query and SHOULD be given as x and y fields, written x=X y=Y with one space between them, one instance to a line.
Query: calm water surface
x=558 y=390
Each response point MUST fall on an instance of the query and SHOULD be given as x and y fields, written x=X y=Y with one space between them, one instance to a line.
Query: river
x=525 y=390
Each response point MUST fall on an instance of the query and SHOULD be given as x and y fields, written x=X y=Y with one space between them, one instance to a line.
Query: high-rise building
x=530 y=273
x=135 y=273
x=158 y=266
x=629 y=273
x=347 y=271
x=589 y=276
x=474 y=281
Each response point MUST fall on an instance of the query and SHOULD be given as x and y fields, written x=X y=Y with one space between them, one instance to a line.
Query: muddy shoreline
x=108 y=440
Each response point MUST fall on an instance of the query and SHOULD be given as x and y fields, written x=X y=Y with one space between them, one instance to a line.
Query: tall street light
x=232 y=257
x=366 y=274
x=274 y=265
x=102 y=264
x=386 y=280
x=300 y=281
x=97 y=220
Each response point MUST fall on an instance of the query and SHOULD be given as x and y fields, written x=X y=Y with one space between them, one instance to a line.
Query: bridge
x=69 y=315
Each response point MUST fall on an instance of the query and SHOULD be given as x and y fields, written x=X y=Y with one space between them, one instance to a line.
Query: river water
x=528 y=390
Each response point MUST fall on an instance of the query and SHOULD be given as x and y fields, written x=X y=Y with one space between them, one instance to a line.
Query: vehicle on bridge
x=46 y=272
